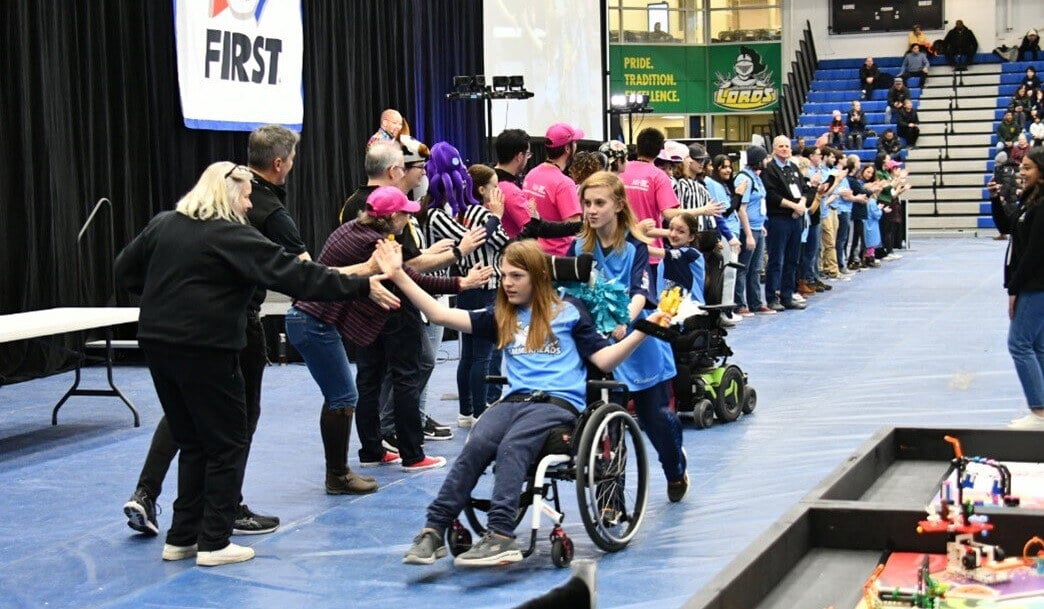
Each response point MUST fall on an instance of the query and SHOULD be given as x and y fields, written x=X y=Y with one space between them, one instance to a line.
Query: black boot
x=335 y=426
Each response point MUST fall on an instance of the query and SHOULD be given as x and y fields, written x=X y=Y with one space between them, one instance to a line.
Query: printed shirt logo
x=242 y=9
x=551 y=347
x=749 y=87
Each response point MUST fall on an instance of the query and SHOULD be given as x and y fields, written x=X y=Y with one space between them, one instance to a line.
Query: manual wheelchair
x=593 y=455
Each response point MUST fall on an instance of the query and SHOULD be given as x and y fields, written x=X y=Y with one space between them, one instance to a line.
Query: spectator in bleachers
x=908 y=124
x=837 y=131
x=1031 y=81
x=856 y=126
x=1007 y=132
x=1021 y=105
x=961 y=46
x=871 y=77
x=1030 y=46
x=1019 y=150
x=1037 y=129
x=897 y=94
x=1038 y=104
x=889 y=144
x=915 y=63
x=916 y=36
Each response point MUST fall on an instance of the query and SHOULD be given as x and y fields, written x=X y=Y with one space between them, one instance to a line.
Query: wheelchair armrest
x=736 y=265
x=606 y=384
x=494 y=379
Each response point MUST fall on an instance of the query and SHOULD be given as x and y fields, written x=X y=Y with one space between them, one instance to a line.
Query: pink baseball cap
x=892 y=164
x=387 y=200
x=674 y=152
x=561 y=134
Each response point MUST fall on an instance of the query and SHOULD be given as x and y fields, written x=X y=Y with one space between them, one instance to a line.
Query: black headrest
x=571 y=268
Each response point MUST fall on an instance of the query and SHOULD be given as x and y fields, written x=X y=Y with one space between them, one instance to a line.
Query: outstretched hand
x=496 y=202
x=472 y=240
x=477 y=277
x=382 y=295
x=388 y=256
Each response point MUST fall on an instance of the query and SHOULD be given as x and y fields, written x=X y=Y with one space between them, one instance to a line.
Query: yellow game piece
x=391 y=237
x=670 y=301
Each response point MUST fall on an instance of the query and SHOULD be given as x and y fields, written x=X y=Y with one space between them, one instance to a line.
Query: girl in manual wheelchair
x=545 y=341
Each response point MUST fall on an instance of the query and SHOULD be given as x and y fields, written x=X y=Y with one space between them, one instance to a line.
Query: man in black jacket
x=897 y=94
x=271 y=150
x=871 y=77
x=961 y=46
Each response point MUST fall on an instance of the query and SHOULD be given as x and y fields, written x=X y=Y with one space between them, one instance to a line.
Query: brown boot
x=335 y=426
x=804 y=289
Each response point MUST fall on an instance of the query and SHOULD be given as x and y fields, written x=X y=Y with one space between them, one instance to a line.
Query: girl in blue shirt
x=682 y=263
x=751 y=191
x=545 y=341
x=608 y=235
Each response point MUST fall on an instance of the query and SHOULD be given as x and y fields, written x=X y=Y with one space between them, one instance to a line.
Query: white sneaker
x=797 y=297
x=895 y=256
x=178 y=552
x=465 y=420
x=227 y=555
x=1029 y=421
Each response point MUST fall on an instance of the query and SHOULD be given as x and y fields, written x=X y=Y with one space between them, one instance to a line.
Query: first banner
x=239 y=63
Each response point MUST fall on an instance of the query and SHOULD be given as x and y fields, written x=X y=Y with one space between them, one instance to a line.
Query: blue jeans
x=844 y=229
x=512 y=434
x=784 y=249
x=319 y=343
x=810 y=256
x=475 y=356
x=748 y=279
x=1026 y=345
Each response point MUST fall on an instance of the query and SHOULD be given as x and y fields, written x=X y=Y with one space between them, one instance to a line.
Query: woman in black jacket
x=196 y=269
x=1024 y=280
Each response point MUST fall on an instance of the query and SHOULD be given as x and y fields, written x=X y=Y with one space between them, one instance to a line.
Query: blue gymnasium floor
x=919 y=341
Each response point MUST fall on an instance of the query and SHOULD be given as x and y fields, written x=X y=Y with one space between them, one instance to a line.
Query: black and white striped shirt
x=693 y=195
x=441 y=225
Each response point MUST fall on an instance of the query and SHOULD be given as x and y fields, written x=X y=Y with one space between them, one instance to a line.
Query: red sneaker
x=389 y=458
x=425 y=463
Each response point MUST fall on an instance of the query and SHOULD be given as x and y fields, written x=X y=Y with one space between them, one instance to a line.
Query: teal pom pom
x=607 y=301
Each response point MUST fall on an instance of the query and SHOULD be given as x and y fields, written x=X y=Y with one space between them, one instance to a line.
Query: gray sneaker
x=428 y=546
x=490 y=551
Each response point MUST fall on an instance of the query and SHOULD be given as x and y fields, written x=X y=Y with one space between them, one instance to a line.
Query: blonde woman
x=196 y=269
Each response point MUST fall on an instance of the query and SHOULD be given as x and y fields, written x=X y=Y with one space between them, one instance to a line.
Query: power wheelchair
x=602 y=455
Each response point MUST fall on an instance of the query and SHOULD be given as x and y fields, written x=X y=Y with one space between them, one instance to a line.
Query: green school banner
x=699 y=79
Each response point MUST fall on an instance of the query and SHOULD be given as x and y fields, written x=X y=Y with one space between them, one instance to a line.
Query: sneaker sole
x=210 y=561
x=379 y=463
x=417 y=560
x=504 y=558
x=438 y=438
x=421 y=468
x=255 y=532
x=137 y=520
x=176 y=556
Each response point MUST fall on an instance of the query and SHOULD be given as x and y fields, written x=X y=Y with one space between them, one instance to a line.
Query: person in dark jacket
x=1024 y=281
x=889 y=144
x=897 y=94
x=1029 y=49
x=196 y=269
x=961 y=46
x=856 y=126
x=1007 y=132
x=1031 y=81
x=871 y=77
x=908 y=125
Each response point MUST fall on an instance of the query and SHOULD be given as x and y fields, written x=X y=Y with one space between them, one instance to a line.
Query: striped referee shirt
x=693 y=195
x=441 y=225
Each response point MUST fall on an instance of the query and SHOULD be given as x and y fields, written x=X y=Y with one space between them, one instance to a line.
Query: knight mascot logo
x=749 y=87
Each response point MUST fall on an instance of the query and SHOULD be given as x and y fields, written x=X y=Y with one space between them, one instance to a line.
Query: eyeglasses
x=234 y=169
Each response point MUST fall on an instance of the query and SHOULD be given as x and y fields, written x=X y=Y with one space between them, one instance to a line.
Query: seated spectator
x=1029 y=50
x=889 y=144
x=871 y=77
x=856 y=126
x=1019 y=150
x=837 y=131
x=961 y=46
x=915 y=63
x=1031 y=81
x=916 y=36
x=1007 y=131
x=896 y=96
x=546 y=341
x=909 y=124
x=1038 y=104
x=1021 y=105
x=1036 y=130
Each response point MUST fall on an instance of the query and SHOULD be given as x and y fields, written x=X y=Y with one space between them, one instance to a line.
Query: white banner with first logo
x=239 y=63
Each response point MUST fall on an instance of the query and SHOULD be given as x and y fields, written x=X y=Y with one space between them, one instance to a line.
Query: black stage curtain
x=90 y=108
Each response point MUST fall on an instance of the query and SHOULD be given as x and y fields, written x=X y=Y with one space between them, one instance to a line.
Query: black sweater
x=1024 y=263
x=196 y=279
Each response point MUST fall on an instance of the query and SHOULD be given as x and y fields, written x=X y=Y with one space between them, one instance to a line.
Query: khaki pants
x=828 y=251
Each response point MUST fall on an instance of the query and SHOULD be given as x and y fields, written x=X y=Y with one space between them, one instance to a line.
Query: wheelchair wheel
x=473 y=507
x=561 y=548
x=729 y=402
x=703 y=414
x=459 y=539
x=750 y=399
x=611 y=498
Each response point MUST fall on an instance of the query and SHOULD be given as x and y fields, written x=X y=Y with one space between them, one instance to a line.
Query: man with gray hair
x=271 y=150
x=391 y=126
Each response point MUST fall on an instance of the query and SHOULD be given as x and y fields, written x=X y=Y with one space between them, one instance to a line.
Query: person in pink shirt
x=551 y=189
x=512 y=149
x=648 y=187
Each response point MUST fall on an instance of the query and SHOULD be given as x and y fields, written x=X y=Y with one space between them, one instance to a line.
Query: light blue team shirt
x=843 y=206
x=721 y=195
x=652 y=362
x=683 y=267
x=754 y=197
x=556 y=368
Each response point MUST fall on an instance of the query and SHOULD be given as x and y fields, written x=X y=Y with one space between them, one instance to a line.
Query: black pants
x=921 y=74
x=961 y=56
x=910 y=134
x=858 y=250
x=396 y=351
x=202 y=393
x=252 y=361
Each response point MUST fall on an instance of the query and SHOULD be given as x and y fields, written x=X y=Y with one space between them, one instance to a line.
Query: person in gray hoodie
x=915 y=63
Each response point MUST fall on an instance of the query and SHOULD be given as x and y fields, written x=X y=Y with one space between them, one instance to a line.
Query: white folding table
x=47 y=322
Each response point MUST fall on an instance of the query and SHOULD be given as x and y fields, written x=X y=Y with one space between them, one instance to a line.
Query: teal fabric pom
x=607 y=302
